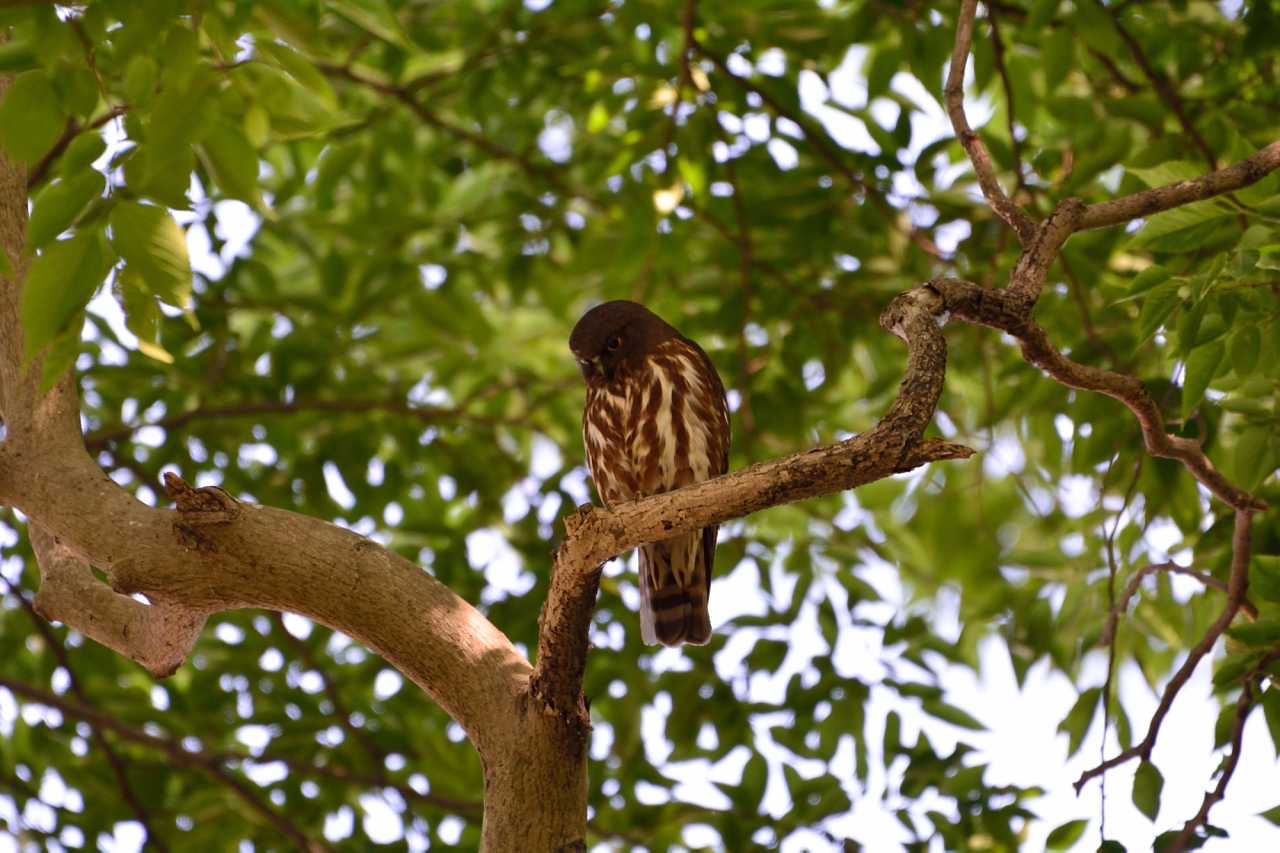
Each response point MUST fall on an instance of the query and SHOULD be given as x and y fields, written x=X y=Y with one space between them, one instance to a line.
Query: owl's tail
x=675 y=587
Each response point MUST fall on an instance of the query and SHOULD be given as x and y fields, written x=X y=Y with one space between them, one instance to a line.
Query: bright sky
x=1022 y=745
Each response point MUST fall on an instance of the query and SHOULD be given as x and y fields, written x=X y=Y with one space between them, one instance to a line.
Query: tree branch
x=1108 y=632
x=1161 y=84
x=1000 y=203
x=1009 y=312
x=1211 y=798
x=824 y=146
x=114 y=760
x=593 y=536
x=159 y=636
x=1237 y=587
x=1228 y=179
x=179 y=754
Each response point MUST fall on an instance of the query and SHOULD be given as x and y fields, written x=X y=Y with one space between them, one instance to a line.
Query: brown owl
x=656 y=419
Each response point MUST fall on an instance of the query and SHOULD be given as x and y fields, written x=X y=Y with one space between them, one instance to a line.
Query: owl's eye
x=614 y=343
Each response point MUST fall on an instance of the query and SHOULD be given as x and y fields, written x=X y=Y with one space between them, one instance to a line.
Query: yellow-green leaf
x=156 y=247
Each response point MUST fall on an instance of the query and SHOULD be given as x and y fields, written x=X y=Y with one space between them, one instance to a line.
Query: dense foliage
x=395 y=212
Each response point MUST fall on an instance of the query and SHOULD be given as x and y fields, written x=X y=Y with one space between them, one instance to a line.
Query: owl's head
x=614 y=336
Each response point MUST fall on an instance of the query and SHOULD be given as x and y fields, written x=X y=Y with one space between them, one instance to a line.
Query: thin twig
x=41 y=169
x=746 y=255
x=1237 y=587
x=825 y=147
x=1108 y=632
x=538 y=171
x=1000 y=203
x=997 y=45
x=118 y=767
x=1161 y=84
x=682 y=81
x=1211 y=798
x=377 y=757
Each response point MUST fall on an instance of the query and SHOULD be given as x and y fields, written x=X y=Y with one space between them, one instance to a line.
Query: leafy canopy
x=395 y=212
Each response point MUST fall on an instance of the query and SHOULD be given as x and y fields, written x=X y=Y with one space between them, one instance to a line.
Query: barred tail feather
x=674 y=584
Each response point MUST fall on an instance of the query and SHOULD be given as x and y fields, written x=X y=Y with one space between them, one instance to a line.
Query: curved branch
x=593 y=536
x=1109 y=631
x=1009 y=312
x=1000 y=203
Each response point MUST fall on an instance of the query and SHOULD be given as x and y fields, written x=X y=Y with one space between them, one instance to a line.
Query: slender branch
x=824 y=146
x=428 y=414
x=1108 y=632
x=1248 y=171
x=997 y=45
x=1000 y=203
x=1211 y=798
x=114 y=760
x=746 y=256
x=403 y=94
x=179 y=754
x=1161 y=84
x=687 y=20
x=1008 y=312
x=1237 y=587
x=41 y=169
x=377 y=757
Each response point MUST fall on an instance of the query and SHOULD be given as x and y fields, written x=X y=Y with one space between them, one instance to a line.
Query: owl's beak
x=590 y=367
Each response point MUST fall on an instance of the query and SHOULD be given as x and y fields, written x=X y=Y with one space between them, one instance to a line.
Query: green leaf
x=17 y=56
x=1147 y=279
x=1180 y=221
x=473 y=188
x=1062 y=837
x=141 y=313
x=58 y=205
x=149 y=239
x=233 y=162
x=1269 y=257
x=1076 y=723
x=140 y=79
x=881 y=67
x=1260 y=633
x=1110 y=846
x=59 y=284
x=1252 y=459
x=1201 y=367
x=301 y=69
x=1147 y=784
x=1271 y=711
x=80 y=154
x=1264 y=577
x=1156 y=308
x=1058 y=51
x=953 y=715
x=1246 y=345
x=375 y=17
x=31 y=119
x=1167 y=173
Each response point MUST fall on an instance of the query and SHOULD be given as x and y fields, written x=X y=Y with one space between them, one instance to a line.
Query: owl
x=656 y=419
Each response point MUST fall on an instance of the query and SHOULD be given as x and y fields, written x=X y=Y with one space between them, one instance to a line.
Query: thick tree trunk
x=535 y=785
